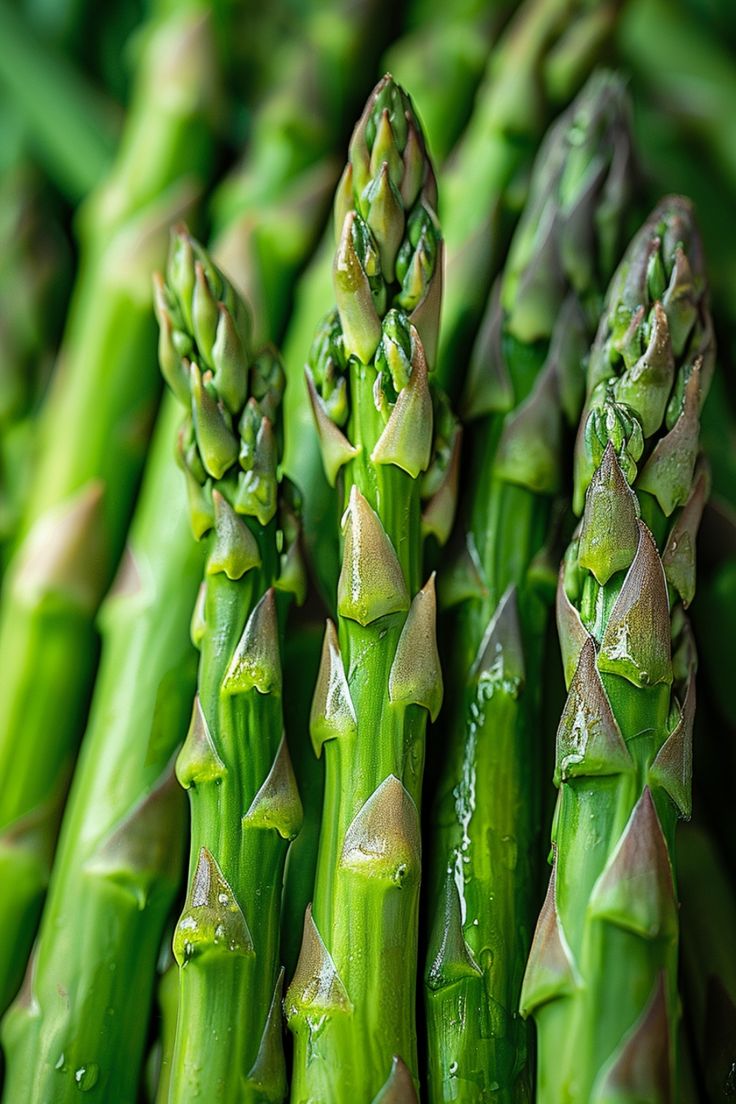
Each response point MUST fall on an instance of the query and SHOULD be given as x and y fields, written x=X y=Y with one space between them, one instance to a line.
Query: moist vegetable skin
x=91 y=444
x=351 y=1002
x=81 y=1020
x=234 y=763
x=624 y=743
x=524 y=383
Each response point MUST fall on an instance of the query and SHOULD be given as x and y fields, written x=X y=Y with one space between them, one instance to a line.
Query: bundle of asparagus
x=601 y=976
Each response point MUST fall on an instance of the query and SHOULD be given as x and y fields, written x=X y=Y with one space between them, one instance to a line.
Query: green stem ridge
x=524 y=383
x=387 y=440
x=234 y=763
x=80 y=1021
x=91 y=443
x=623 y=762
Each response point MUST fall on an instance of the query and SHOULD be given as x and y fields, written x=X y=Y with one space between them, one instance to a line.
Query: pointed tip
x=371 y=583
x=641 y=1067
x=501 y=652
x=589 y=740
x=416 y=674
x=550 y=971
x=449 y=958
x=673 y=767
x=383 y=842
x=399 y=1087
x=256 y=663
x=636 y=641
x=333 y=714
x=277 y=805
x=636 y=890
x=212 y=921
x=316 y=989
x=334 y=445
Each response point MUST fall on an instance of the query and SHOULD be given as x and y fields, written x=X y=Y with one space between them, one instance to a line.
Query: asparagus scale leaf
x=624 y=743
x=524 y=379
x=351 y=1002
x=234 y=763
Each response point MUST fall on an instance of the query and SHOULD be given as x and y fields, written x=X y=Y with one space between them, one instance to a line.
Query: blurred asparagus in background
x=120 y=858
x=708 y=918
x=270 y=211
x=602 y=974
x=442 y=93
x=245 y=807
x=91 y=442
x=35 y=266
x=525 y=382
x=70 y=126
x=546 y=52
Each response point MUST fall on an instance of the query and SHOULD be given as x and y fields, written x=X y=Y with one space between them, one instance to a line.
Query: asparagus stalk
x=235 y=763
x=91 y=442
x=624 y=742
x=524 y=377
x=542 y=58
x=708 y=925
x=34 y=265
x=351 y=1001
x=445 y=98
x=80 y=1021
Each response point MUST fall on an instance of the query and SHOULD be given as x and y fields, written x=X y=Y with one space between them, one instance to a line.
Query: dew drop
x=86 y=1076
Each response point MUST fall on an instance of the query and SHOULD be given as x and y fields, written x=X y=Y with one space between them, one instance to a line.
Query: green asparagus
x=91 y=442
x=351 y=1002
x=80 y=1021
x=542 y=59
x=624 y=751
x=525 y=376
x=235 y=764
x=34 y=267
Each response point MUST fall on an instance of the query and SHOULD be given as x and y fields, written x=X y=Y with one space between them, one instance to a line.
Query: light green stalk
x=542 y=58
x=91 y=443
x=525 y=378
x=602 y=974
x=235 y=763
x=351 y=1003
x=80 y=1021
x=708 y=918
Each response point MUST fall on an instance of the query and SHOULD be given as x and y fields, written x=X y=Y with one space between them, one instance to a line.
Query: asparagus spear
x=524 y=374
x=91 y=442
x=351 y=1001
x=542 y=59
x=235 y=763
x=709 y=967
x=624 y=741
x=445 y=100
x=80 y=1021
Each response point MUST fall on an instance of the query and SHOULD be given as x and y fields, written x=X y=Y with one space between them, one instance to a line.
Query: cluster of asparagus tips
x=234 y=763
x=624 y=743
